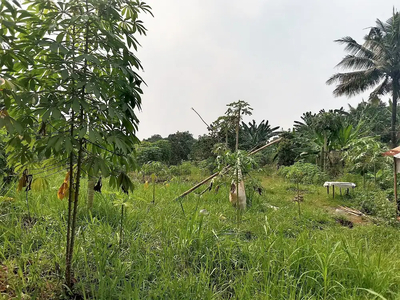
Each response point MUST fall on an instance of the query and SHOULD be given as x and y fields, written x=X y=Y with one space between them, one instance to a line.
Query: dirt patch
x=341 y=214
x=355 y=219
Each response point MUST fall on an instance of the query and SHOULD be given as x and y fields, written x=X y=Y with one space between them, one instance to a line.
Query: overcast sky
x=276 y=55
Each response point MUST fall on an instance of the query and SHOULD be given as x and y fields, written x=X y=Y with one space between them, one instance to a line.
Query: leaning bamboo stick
x=265 y=146
x=224 y=170
x=198 y=185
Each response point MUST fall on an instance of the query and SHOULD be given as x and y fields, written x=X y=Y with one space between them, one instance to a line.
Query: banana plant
x=365 y=155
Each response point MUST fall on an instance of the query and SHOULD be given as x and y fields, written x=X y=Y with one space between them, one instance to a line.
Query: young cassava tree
x=75 y=75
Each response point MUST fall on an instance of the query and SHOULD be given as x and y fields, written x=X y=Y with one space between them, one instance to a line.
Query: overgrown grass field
x=272 y=254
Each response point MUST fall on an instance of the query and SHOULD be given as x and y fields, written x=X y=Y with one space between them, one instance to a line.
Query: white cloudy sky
x=274 y=54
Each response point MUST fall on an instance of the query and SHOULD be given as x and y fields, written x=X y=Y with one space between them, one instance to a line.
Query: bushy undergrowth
x=384 y=178
x=376 y=203
x=351 y=177
x=274 y=254
x=164 y=172
x=183 y=169
x=304 y=173
x=208 y=165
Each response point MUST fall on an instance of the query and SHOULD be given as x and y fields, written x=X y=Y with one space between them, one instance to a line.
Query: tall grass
x=166 y=255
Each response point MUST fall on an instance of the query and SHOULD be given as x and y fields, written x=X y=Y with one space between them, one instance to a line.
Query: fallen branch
x=352 y=211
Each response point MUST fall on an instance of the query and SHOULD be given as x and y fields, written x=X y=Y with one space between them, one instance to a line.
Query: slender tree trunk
x=75 y=209
x=153 y=177
x=27 y=206
x=394 y=112
x=226 y=137
x=324 y=153
x=237 y=131
x=90 y=192
x=321 y=159
x=237 y=170
x=395 y=184
x=68 y=278
x=121 y=230
x=394 y=134
x=237 y=198
x=72 y=223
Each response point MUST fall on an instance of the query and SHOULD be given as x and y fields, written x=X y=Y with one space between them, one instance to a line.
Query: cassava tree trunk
x=90 y=192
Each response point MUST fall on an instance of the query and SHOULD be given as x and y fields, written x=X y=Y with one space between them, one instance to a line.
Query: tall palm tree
x=256 y=135
x=306 y=123
x=373 y=64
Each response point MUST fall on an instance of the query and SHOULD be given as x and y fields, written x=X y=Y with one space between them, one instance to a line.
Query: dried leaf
x=23 y=180
x=63 y=191
x=64 y=188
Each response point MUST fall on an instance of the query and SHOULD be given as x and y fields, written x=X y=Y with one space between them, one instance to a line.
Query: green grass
x=274 y=254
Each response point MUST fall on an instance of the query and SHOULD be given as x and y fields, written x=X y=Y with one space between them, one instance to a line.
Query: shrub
x=208 y=165
x=305 y=173
x=351 y=177
x=384 y=178
x=184 y=169
x=154 y=167
x=376 y=203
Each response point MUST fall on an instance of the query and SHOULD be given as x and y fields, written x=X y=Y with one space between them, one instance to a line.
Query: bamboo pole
x=265 y=146
x=208 y=126
x=224 y=170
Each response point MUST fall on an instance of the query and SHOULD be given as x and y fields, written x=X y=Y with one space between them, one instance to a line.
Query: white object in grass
x=204 y=212
x=238 y=201
x=340 y=184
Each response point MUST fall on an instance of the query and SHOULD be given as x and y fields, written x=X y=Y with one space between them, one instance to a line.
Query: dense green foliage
x=304 y=173
x=181 y=143
x=203 y=147
x=4 y=169
x=377 y=204
x=159 y=150
x=287 y=151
